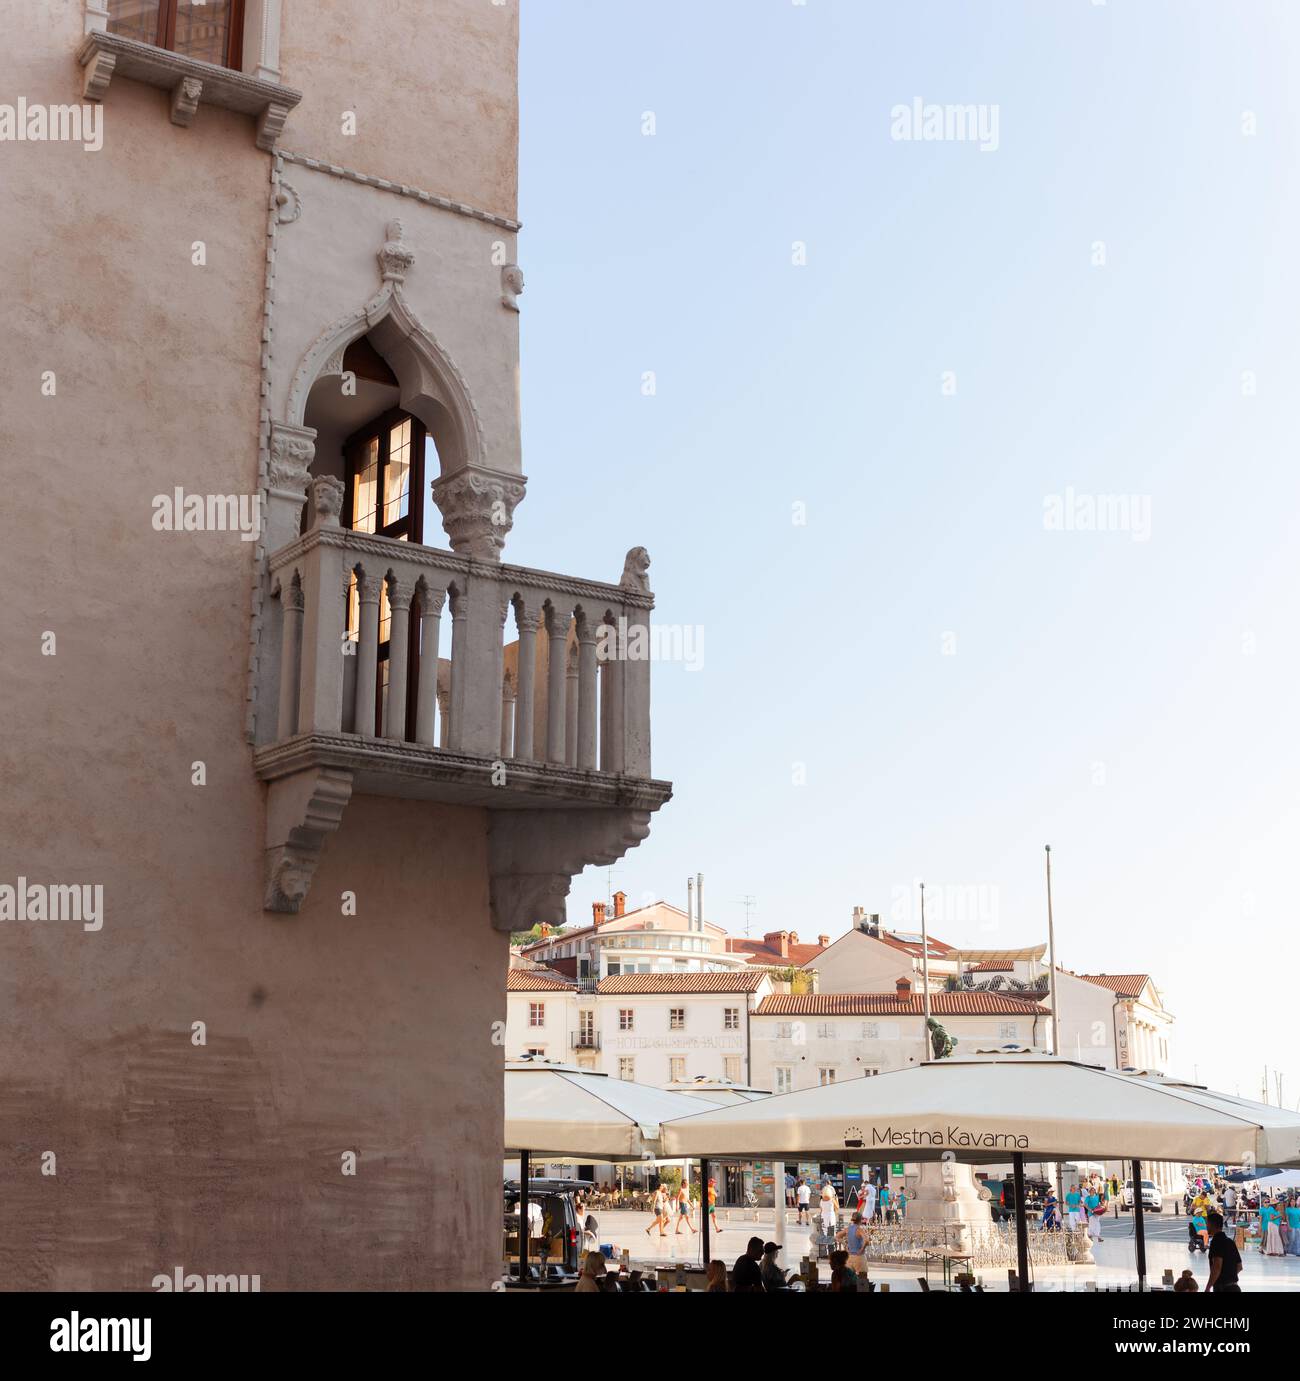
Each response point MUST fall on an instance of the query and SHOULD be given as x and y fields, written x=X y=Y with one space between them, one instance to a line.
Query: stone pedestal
x=945 y=1192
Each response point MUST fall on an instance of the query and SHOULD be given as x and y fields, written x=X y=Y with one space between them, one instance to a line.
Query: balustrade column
x=611 y=691
x=430 y=622
x=557 y=629
x=636 y=694
x=459 y=661
x=507 y=715
x=587 y=697
x=399 y=630
x=527 y=624
x=291 y=603
x=368 y=588
x=444 y=711
x=320 y=700
x=571 y=707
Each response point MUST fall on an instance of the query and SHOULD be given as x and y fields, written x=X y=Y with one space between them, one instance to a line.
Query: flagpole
x=925 y=981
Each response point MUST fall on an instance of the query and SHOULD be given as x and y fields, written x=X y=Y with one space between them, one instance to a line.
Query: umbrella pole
x=1139 y=1229
x=524 y=1171
x=704 y=1211
x=1022 y=1228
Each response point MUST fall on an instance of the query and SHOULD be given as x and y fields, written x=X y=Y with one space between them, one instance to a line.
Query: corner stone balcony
x=550 y=735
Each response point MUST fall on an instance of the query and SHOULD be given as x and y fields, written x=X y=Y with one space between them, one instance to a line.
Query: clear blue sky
x=1131 y=702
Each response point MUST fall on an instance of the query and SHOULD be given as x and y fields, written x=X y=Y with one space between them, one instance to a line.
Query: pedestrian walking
x=684 y=1210
x=830 y=1210
x=803 y=1196
x=659 y=1207
x=712 y=1206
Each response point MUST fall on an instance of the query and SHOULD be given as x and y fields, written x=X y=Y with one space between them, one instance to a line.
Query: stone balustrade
x=577 y=743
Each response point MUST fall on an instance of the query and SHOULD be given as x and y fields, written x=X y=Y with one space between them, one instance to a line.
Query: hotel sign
x=674 y=1042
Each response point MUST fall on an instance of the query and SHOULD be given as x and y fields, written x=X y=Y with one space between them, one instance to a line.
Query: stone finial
x=327 y=498
x=635 y=567
x=395 y=258
x=512 y=284
x=478 y=509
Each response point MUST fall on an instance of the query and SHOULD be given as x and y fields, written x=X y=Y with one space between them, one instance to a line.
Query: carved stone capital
x=478 y=507
x=302 y=811
x=431 y=600
x=399 y=594
x=291 y=596
x=395 y=258
x=292 y=451
x=527 y=620
x=327 y=498
x=368 y=588
x=533 y=856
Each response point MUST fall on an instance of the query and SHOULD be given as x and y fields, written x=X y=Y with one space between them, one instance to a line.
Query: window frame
x=165 y=33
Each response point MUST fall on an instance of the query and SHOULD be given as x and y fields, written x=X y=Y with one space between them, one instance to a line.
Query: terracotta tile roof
x=1125 y=984
x=769 y=955
x=991 y=967
x=740 y=982
x=889 y=1004
x=536 y=981
x=560 y=937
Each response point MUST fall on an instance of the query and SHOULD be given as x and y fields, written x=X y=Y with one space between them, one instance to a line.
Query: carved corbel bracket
x=185 y=100
x=533 y=856
x=302 y=811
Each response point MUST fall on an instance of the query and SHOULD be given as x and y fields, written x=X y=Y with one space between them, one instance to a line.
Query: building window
x=870 y=1030
x=783 y=1079
x=537 y=1014
x=626 y=1068
x=1009 y=1031
x=731 y=1019
x=677 y=1069
x=586 y=1026
x=731 y=1068
x=677 y=1018
x=825 y=1075
x=825 y=1030
x=784 y=1030
x=535 y=1050
x=210 y=30
x=870 y=1073
x=625 y=1019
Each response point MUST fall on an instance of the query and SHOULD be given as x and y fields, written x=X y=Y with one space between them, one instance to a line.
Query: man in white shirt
x=803 y=1196
x=1230 y=1203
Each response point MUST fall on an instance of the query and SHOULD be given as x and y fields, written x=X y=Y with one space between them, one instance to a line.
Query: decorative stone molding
x=403 y=190
x=395 y=258
x=288 y=204
x=97 y=16
x=185 y=100
x=477 y=507
x=105 y=56
x=533 y=856
x=302 y=811
x=292 y=451
x=327 y=499
x=512 y=284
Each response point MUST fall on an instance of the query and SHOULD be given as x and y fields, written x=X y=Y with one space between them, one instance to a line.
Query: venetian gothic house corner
x=389 y=657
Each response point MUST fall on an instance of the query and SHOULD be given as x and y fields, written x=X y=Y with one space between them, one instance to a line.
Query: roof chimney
x=904 y=988
x=597 y=913
x=859 y=914
x=794 y=937
x=620 y=904
x=690 y=903
x=699 y=901
x=778 y=940
x=823 y=941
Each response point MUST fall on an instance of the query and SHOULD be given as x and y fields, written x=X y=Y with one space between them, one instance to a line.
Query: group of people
x=878 y=1204
x=1086 y=1204
x=662 y=1209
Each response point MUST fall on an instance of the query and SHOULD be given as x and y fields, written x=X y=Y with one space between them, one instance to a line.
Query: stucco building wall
x=325 y=1033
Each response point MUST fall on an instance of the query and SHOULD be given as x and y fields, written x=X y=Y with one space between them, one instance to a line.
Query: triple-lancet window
x=209 y=30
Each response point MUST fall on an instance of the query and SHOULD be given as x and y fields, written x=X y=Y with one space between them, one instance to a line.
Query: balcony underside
x=383 y=767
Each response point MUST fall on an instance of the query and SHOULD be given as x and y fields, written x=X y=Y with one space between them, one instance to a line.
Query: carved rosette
x=478 y=508
x=327 y=499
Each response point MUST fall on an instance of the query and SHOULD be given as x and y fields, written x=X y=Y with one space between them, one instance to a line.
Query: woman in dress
x=1269 y=1218
x=830 y=1210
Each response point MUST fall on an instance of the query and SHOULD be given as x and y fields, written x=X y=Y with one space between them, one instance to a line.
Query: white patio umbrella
x=567 y=1112
x=981 y=1110
x=724 y=1092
